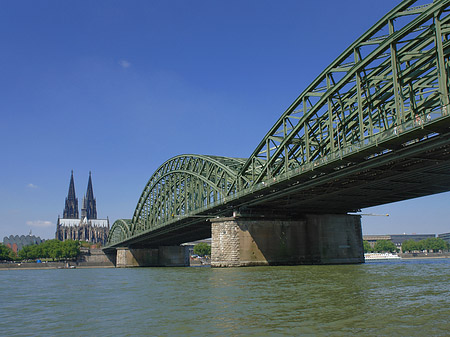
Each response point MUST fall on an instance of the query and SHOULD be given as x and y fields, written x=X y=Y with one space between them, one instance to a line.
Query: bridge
x=372 y=128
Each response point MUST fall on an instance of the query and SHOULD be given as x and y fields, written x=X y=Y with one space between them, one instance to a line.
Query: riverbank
x=50 y=265
x=95 y=258
x=445 y=255
x=199 y=261
x=88 y=258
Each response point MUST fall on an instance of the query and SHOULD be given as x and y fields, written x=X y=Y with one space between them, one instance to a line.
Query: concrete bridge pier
x=164 y=256
x=313 y=239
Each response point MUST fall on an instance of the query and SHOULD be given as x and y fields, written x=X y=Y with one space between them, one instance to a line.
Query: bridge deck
x=340 y=186
x=371 y=129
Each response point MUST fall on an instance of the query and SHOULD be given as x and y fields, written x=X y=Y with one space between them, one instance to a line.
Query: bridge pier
x=164 y=256
x=314 y=239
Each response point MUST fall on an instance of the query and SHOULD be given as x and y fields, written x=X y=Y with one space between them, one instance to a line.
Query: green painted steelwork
x=387 y=91
x=180 y=186
x=120 y=231
x=184 y=184
x=393 y=78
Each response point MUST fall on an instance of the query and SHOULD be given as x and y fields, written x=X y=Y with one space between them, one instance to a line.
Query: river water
x=402 y=298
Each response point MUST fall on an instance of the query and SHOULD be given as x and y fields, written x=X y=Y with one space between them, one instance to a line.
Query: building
x=191 y=245
x=84 y=228
x=445 y=237
x=16 y=242
x=397 y=239
x=372 y=239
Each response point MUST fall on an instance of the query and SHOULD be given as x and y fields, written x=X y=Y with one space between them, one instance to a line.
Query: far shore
x=51 y=268
x=84 y=265
x=51 y=265
x=408 y=256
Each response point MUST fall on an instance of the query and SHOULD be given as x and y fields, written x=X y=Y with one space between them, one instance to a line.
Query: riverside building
x=87 y=227
x=16 y=242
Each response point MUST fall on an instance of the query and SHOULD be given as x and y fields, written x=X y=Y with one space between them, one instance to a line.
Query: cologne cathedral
x=87 y=227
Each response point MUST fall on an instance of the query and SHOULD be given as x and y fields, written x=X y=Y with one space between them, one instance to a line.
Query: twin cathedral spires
x=88 y=209
x=87 y=227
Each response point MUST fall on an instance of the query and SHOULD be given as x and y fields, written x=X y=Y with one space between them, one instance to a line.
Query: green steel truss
x=394 y=77
x=179 y=187
x=120 y=230
x=392 y=81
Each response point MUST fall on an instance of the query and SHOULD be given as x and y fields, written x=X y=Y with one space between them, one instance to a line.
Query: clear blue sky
x=119 y=87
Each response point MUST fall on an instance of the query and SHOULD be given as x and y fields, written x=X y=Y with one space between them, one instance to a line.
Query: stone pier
x=313 y=239
x=164 y=256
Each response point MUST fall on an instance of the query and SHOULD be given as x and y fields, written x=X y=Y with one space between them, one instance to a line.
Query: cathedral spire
x=89 y=209
x=71 y=205
x=90 y=191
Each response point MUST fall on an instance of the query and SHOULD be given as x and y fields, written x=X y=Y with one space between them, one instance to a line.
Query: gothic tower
x=89 y=209
x=71 y=207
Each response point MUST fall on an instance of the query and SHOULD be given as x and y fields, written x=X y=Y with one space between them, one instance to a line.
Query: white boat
x=381 y=256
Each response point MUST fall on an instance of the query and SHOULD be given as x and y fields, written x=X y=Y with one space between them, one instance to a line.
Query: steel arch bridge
x=372 y=128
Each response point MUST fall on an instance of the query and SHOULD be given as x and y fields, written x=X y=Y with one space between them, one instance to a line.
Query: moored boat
x=381 y=256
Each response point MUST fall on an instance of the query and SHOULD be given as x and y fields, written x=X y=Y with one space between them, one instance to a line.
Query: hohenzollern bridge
x=372 y=128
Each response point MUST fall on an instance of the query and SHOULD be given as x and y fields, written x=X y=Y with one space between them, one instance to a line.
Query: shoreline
x=63 y=265
x=408 y=256
x=425 y=257
x=54 y=265
x=51 y=268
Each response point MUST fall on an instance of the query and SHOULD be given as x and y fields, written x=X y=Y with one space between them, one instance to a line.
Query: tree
x=70 y=249
x=30 y=252
x=25 y=253
x=430 y=244
x=410 y=246
x=6 y=253
x=367 y=247
x=202 y=249
x=385 y=246
x=434 y=244
x=54 y=249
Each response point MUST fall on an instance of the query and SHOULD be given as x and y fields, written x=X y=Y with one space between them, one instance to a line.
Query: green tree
x=30 y=252
x=410 y=246
x=37 y=251
x=419 y=245
x=25 y=253
x=385 y=246
x=6 y=253
x=434 y=244
x=70 y=249
x=202 y=249
x=367 y=247
x=50 y=249
x=53 y=249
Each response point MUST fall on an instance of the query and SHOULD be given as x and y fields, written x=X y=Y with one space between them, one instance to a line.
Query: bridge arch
x=388 y=89
x=120 y=231
x=182 y=185
x=392 y=79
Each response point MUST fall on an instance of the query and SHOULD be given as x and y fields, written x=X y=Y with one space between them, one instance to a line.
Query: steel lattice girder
x=182 y=185
x=120 y=231
x=388 y=90
x=381 y=82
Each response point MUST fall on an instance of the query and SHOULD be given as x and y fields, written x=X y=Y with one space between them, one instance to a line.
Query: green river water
x=401 y=298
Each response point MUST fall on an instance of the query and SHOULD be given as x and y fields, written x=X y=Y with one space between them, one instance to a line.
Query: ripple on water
x=377 y=299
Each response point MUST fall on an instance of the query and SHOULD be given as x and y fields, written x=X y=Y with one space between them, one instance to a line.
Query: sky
x=119 y=87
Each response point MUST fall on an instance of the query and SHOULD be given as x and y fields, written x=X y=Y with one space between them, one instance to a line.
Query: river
x=401 y=298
